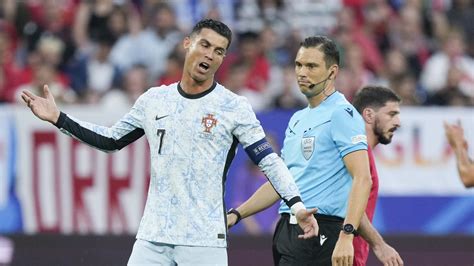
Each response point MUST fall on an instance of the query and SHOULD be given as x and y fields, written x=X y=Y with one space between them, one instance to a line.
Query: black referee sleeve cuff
x=62 y=118
x=293 y=200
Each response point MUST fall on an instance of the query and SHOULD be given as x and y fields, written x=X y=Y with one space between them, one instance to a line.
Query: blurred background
x=63 y=203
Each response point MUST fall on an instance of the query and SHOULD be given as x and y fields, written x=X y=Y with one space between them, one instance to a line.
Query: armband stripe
x=259 y=150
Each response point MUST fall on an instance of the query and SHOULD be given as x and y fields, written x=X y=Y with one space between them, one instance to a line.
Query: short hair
x=374 y=97
x=325 y=45
x=215 y=25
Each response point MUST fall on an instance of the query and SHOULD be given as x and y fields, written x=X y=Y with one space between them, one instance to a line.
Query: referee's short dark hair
x=374 y=97
x=325 y=45
x=214 y=25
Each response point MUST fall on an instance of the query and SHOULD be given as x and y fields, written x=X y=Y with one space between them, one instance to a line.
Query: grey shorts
x=153 y=253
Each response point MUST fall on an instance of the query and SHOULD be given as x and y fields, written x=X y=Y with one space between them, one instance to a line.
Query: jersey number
x=161 y=134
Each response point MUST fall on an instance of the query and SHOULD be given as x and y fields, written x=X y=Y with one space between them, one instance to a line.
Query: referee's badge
x=307 y=145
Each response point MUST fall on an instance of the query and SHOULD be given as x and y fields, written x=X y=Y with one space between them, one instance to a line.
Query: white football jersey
x=193 y=139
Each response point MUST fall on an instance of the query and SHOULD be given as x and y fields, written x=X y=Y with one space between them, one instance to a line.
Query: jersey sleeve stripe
x=94 y=139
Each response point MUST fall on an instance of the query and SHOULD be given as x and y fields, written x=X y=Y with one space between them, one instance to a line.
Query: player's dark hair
x=374 y=97
x=214 y=25
x=325 y=45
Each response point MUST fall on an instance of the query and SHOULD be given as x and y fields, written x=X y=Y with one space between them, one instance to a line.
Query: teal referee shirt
x=316 y=141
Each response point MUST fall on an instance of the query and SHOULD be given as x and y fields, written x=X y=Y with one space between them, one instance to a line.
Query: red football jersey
x=361 y=247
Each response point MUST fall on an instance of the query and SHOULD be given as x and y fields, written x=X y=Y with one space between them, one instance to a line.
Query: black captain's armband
x=259 y=150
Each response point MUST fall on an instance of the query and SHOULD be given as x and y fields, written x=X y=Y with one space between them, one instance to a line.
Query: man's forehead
x=391 y=106
x=212 y=37
x=310 y=54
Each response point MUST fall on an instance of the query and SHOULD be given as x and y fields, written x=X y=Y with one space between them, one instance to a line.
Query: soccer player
x=325 y=148
x=380 y=109
x=193 y=128
x=455 y=136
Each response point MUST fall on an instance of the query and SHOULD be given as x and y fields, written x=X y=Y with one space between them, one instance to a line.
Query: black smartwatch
x=237 y=213
x=349 y=229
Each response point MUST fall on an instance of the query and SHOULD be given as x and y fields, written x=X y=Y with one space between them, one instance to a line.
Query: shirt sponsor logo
x=359 y=138
x=208 y=122
x=307 y=145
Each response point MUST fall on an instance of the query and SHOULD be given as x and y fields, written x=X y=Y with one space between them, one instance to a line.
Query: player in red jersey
x=380 y=109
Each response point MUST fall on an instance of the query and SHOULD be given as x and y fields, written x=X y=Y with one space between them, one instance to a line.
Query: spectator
x=8 y=69
x=150 y=46
x=406 y=34
x=134 y=84
x=453 y=54
x=355 y=71
x=173 y=70
x=405 y=86
x=93 y=74
x=250 y=55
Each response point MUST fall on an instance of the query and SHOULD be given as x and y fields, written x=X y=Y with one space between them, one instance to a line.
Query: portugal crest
x=208 y=122
x=307 y=147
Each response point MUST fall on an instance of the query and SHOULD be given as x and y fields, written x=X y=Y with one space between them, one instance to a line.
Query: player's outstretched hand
x=387 y=255
x=308 y=223
x=44 y=108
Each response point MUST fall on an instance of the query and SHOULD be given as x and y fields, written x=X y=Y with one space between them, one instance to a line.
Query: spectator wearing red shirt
x=250 y=55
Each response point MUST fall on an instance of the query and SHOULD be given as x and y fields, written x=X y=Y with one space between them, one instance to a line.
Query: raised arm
x=455 y=136
x=384 y=252
x=107 y=139
x=43 y=108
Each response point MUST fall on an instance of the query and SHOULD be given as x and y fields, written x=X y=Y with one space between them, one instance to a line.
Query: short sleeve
x=348 y=130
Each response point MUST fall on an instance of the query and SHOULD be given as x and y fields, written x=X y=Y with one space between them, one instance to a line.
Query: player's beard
x=378 y=131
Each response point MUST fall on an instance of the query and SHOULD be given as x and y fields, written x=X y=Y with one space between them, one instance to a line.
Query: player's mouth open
x=204 y=66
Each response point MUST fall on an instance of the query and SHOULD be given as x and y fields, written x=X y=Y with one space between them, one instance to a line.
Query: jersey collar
x=196 y=96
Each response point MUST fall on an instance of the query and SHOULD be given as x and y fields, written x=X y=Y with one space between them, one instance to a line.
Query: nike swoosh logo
x=160 y=117
x=322 y=239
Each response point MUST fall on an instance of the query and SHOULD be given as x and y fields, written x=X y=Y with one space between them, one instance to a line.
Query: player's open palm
x=44 y=108
x=308 y=223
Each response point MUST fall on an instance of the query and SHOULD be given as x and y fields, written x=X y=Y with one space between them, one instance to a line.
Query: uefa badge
x=208 y=122
x=307 y=146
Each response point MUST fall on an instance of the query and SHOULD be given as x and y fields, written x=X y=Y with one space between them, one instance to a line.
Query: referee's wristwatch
x=349 y=229
x=236 y=213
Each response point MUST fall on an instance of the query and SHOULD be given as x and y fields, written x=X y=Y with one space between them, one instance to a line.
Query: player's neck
x=191 y=86
x=371 y=138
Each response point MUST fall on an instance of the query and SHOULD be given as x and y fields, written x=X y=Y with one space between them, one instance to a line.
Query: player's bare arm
x=265 y=197
x=384 y=252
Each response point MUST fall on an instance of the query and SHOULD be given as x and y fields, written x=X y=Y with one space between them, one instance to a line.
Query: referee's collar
x=198 y=95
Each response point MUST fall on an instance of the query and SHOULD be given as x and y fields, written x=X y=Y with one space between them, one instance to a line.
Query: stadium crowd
x=109 y=52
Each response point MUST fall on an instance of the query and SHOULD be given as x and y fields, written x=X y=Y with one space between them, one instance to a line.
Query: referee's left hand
x=308 y=223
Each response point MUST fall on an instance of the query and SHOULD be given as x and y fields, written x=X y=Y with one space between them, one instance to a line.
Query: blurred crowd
x=108 y=52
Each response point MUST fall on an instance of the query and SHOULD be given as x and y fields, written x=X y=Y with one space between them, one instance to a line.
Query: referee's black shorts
x=288 y=249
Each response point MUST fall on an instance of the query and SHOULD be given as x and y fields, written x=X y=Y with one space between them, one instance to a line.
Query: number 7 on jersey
x=160 y=133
